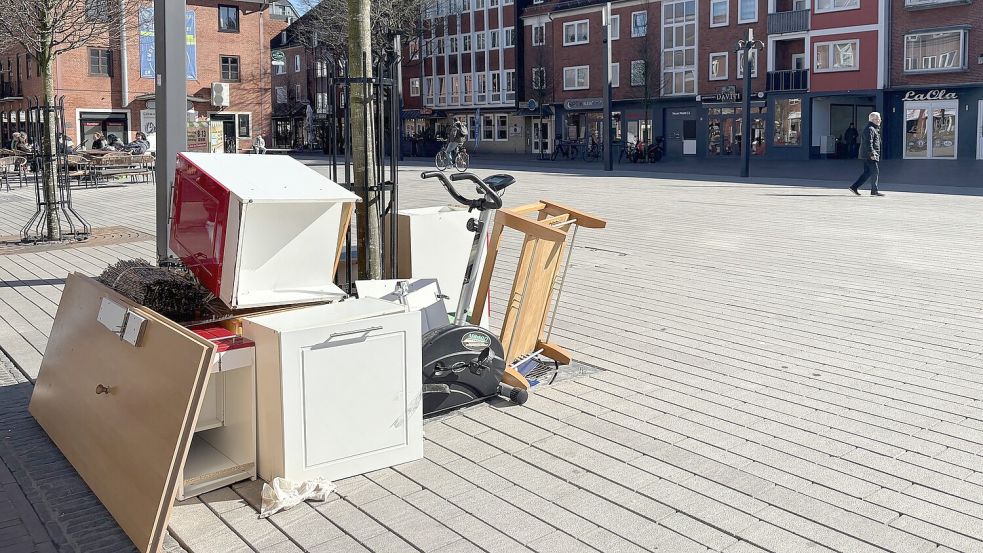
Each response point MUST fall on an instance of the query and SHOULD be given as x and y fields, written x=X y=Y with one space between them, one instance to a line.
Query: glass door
x=930 y=130
x=540 y=137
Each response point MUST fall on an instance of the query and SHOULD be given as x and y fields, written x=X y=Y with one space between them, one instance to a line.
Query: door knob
x=100 y=389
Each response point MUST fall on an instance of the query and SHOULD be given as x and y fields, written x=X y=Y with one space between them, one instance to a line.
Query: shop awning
x=424 y=113
x=545 y=111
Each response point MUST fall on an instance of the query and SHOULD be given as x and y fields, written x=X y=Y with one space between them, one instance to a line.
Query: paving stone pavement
x=786 y=369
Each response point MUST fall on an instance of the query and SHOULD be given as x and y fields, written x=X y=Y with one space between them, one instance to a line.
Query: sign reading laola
x=936 y=94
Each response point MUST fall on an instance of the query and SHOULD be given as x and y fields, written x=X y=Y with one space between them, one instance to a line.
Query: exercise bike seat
x=499 y=182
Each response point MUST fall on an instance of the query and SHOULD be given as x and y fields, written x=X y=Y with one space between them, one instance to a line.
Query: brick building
x=109 y=86
x=467 y=70
x=935 y=92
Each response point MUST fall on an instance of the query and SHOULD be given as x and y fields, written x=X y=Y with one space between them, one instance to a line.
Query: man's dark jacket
x=870 y=142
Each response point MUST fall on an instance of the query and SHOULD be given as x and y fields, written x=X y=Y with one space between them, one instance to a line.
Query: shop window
x=576 y=32
x=576 y=78
x=414 y=87
x=243 y=124
x=719 y=13
x=931 y=130
x=639 y=23
x=718 y=66
x=836 y=5
x=487 y=127
x=740 y=64
x=747 y=11
x=502 y=127
x=788 y=122
x=934 y=52
x=228 y=19
x=229 y=68
x=836 y=56
x=615 y=27
x=539 y=34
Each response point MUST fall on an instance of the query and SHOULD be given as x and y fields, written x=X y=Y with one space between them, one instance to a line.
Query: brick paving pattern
x=786 y=369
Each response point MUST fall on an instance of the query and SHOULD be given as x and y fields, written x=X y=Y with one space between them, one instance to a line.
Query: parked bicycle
x=461 y=159
x=593 y=151
x=567 y=148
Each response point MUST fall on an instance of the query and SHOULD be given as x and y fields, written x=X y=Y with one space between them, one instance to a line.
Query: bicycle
x=567 y=147
x=461 y=160
x=593 y=151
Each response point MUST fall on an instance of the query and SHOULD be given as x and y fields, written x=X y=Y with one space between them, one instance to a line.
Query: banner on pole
x=147 y=50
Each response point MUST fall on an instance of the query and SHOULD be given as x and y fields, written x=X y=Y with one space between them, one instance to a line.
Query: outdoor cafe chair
x=12 y=165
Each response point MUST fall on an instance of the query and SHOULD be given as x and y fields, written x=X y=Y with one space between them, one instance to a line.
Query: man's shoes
x=854 y=190
x=876 y=194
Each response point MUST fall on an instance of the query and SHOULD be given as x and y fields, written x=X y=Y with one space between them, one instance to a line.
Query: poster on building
x=147 y=48
x=148 y=121
x=199 y=139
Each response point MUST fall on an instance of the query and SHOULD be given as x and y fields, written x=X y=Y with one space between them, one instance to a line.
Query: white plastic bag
x=284 y=494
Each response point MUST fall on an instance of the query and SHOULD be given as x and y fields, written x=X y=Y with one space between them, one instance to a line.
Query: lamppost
x=750 y=47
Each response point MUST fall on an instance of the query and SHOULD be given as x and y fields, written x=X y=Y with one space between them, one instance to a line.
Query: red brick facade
x=968 y=16
x=95 y=97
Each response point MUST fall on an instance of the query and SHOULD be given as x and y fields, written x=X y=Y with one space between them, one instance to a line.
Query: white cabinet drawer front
x=366 y=378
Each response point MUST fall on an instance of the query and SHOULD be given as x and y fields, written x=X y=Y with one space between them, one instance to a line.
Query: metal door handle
x=100 y=389
x=350 y=332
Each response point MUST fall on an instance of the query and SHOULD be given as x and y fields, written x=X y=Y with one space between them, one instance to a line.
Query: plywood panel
x=127 y=444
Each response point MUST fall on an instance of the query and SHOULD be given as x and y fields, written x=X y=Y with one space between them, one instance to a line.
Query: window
x=228 y=19
x=719 y=13
x=930 y=129
x=836 y=5
x=836 y=56
x=468 y=80
x=678 y=47
x=639 y=23
x=298 y=95
x=243 y=124
x=718 y=66
x=615 y=27
x=494 y=36
x=97 y=10
x=100 y=62
x=740 y=64
x=509 y=37
x=747 y=11
x=440 y=45
x=487 y=127
x=539 y=34
x=496 y=87
x=321 y=69
x=466 y=43
x=414 y=49
x=576 y=78
x=931 y=3
x=479 y=4
x=502 y=127
x=931 y=52
x=281 y=95
x=615 y=75
x=229 y=68
x=455 y=88
x=788 y=122
x=576 y=32
x=465 y=5
x=428 y=87
x=539 y=78
x=414 y=87
x=479 y=40
x=482 y=90
x=492 y=3
x=453 y=43
x=638 y=73
x=509 y=85
x=296 y=63
x=321 y=104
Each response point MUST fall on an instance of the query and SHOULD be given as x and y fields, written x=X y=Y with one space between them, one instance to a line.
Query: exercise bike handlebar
x=490 y=194
x=491 y=200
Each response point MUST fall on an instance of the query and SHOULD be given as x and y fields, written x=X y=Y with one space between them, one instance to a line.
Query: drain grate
x=103 y=236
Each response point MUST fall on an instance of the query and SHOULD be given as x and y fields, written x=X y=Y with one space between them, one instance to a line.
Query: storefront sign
x=721 y=97
x=677 y=113
x=426 y=111
x=586 y=103
x=936 y=94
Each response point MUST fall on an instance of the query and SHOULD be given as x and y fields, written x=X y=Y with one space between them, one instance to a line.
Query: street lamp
x=750 y=47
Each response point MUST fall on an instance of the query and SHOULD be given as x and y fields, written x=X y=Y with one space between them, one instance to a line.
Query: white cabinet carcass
x=338 y=389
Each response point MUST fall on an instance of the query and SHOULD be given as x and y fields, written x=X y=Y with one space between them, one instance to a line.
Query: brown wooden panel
x=128 y=445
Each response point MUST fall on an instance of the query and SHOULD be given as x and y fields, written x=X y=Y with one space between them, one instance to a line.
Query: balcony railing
x=788 y=22
x=787 y=81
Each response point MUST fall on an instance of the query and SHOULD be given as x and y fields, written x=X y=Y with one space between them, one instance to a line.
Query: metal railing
x=790 y=80
x=788 y=22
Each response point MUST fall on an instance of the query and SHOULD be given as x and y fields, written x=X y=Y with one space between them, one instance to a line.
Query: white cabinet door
x=352 y=397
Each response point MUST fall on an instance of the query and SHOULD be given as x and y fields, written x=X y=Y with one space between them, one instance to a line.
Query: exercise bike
x=464 y=363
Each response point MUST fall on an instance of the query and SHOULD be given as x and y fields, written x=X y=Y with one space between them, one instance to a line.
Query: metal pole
x=606 y=129
x=172 y=100
x=749 y=46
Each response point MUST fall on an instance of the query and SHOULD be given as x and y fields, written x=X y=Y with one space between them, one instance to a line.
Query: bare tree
x=45 y=29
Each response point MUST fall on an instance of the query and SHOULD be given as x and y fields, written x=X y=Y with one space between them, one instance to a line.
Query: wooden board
x=128 y=445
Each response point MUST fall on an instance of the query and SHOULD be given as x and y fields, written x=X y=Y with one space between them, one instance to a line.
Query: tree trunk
x=363 y=139
x=48 y=148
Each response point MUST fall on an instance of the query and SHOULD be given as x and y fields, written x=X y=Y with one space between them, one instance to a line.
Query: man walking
x=870 y=152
